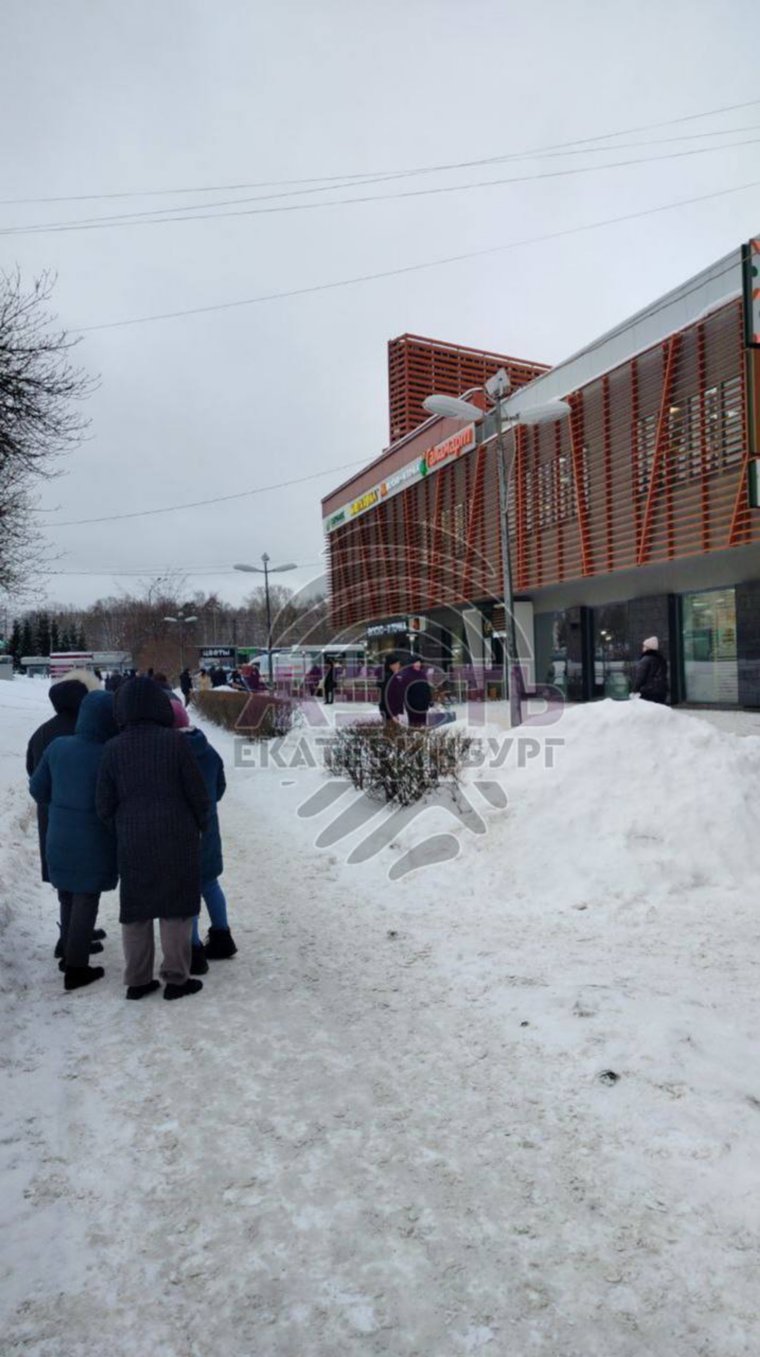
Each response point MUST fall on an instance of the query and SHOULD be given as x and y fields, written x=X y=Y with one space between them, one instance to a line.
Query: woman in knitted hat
x=651 y=677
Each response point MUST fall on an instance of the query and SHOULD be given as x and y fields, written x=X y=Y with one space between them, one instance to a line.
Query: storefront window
x=711 y=670
x=612 y=645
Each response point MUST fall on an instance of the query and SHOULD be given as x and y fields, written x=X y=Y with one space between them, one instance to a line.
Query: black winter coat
x=651 y=677
x=212 y=769
x=150 y=785
x=67 y=698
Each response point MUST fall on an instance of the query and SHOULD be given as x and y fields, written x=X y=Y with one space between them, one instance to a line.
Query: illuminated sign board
x=441 y=455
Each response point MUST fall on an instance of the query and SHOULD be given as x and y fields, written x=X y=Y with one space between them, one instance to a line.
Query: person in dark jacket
x=392 y=690
x=150 y=786
x=66 y=697
x=328 y=683
x=418 y=694
x=186 y=684
x=651 y=677
x=80 y=849
x=220 y=944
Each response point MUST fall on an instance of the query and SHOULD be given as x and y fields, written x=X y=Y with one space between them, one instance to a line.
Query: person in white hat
x=651 y=677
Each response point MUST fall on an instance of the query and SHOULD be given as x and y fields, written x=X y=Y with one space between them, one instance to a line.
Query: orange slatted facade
x=417 y=366
x=650 y=467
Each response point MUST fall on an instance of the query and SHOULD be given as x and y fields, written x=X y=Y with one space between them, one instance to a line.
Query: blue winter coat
x=212 y=768
x=80 y=849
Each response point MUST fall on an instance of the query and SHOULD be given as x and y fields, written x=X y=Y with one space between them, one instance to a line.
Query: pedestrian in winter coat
x=392 y=690
x=186 y=684
x=80 y=849
x=219 y=941
x=151 y=788
x=66 y=696
x=418 y=694
x=204 y=681
x=651 y=677
x=328 y=683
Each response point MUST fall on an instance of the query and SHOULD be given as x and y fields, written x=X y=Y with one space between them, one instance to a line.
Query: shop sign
x=389 y=628
x=364 y=502
x=436 y=457
x=451 y=447
x=226 y=654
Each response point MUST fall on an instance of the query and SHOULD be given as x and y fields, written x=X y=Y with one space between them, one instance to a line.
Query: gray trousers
x=139 y=951
x=78 y=914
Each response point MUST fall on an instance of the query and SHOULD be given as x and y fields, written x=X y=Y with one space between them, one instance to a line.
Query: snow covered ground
x=390 y=1125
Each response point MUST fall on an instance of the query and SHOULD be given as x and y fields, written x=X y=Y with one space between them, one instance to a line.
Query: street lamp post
x=496 y=388
x=180 y=620
x=266 y=570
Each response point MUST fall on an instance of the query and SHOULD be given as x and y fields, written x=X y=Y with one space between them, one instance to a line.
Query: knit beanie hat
x=181 y=718
x=651 y=643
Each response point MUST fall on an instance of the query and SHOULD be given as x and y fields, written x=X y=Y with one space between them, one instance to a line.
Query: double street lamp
x=266 y=570
x=497 y=388
x=181 y=620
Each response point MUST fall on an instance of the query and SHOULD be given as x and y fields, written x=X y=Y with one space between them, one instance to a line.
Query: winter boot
x=98 y=934
x=179 y=991
x=220 y=944
x=199 y=964
x=140 y=991
x=76 y=976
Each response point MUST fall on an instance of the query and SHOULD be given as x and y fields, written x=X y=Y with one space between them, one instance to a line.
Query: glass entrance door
x=711 y=670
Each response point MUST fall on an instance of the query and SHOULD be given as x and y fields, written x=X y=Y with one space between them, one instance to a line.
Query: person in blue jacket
x=80 y=849
x=219 y=943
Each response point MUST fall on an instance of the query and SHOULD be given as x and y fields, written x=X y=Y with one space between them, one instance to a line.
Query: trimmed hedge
x=257 y=716
x=396 y=763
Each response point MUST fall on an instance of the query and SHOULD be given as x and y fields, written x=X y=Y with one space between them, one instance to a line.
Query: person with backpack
x=80 y=850
x=651 y=676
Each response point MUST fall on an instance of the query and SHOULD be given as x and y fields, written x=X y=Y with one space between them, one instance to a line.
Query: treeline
x=138 y=625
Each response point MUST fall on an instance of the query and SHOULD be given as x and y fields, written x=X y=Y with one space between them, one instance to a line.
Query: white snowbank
x=382 y=1128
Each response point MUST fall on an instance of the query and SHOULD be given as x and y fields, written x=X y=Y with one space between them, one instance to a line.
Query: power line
x=170 y=213
x=378 y=174
x=120 y=221
x=413 y=268
x=198 y=504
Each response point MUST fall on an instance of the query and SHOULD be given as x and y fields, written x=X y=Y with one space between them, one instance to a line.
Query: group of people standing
x=405 y=691
x=127 y=794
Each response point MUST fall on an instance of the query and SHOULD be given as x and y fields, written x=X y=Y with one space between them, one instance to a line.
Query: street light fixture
x=497 y=388
x=181 y=619
x=266 y=570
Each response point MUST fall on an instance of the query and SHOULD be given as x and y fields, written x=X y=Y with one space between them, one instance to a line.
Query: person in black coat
x=150 y=786
x=66 y=696
x=186 y=684
x=392 y=690
x=328 y=683
x=418 y=694
x=651 y=677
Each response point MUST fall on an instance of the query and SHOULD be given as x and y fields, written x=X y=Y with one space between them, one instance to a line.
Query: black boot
x=199 y=964
x=179 y=991
x=140 y=991
x=220 y=944
x=76 y=976
x=94 y=947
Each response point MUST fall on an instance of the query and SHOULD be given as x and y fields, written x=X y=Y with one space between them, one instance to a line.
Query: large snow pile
x=505 y=1103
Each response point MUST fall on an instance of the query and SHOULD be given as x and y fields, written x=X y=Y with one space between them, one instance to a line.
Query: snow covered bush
x=396 y=763
x=257 y=716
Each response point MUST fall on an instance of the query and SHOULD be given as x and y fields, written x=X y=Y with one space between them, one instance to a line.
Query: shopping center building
x=631 y=503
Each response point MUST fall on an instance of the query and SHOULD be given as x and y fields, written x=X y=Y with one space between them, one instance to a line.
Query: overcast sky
x=101 y=97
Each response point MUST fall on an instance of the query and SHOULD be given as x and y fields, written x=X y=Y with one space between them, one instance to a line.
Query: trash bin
x=618 y=687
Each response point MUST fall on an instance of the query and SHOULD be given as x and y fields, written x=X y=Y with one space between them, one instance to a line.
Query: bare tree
x=39 y=387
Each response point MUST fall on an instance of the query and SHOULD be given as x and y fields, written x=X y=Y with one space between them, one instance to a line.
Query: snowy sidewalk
x=381 y=1129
